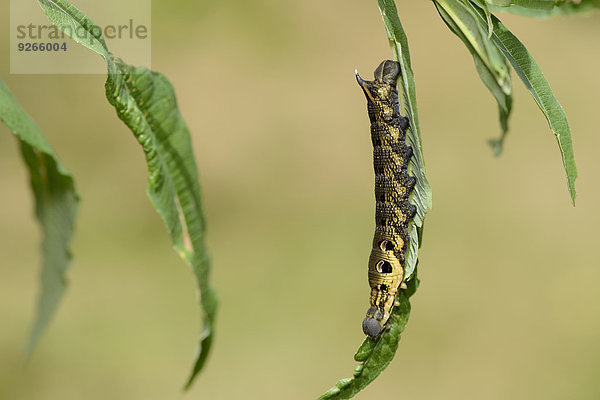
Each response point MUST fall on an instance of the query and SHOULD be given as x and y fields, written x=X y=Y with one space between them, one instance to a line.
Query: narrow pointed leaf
x=534 y=80
x=69 y=19
x=375 y=355
x=56 y=204
x=490 y=63
x=543 y=9
x=483 y=5
x=532 y=4
x=145 y=101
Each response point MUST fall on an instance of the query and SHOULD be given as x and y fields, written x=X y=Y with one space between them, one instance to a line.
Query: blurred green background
x=508 y=305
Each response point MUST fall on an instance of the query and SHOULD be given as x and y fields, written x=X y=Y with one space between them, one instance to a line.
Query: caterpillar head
x=371 y=325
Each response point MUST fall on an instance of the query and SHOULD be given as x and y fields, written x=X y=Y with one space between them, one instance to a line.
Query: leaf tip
x=496 y=145
x=572 y=193
x=29 y=349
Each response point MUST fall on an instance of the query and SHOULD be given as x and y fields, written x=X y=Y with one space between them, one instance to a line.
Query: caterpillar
x=393 y=185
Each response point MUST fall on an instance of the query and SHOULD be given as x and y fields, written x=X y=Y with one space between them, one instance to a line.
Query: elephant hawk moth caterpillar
x=393 y=185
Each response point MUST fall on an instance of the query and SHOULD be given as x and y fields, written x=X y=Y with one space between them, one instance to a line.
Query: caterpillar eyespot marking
x=393 y=185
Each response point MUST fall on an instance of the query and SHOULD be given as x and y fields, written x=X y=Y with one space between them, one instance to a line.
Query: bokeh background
x=509 y=302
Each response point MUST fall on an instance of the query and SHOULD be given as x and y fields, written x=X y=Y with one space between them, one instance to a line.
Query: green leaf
x=421 y=194
x=531 y=75
x=490 y=63
x=482 y=4
x=376 y=354
x=545 y=9
x=531 y=4
x=145 y=102
x=75 y=24
x=56 y=204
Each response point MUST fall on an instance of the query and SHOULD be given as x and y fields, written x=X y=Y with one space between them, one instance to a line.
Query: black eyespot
x=386 y=245
x=384 y=267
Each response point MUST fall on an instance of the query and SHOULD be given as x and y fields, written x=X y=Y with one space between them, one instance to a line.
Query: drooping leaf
x=544 y=9
x=532 y=4
x=534 y=80
x=145 y=101
x=56 y=204
x=490 y=63
x=376 y=354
